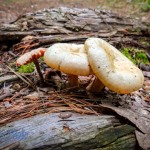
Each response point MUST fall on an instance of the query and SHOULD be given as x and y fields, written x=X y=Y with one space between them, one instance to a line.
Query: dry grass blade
x=80 y=109
x=24 y=80
x=26 y=45
x=78 y=105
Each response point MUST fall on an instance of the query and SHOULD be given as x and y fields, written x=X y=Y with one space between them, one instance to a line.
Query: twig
x=8 y=78
x=26 y=45
x=16 y=95
x=27 y=82
x=12 y=54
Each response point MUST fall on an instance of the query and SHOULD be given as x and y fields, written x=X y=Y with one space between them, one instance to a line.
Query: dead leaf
x=143 y=139
x=138 y=112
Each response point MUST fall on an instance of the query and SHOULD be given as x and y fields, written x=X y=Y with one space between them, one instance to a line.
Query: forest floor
x=14 y=85
x=21 y=95
x=11 y=9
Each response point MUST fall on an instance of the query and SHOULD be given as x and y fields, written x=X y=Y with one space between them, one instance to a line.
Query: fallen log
x=49 y=131
x=76 y=25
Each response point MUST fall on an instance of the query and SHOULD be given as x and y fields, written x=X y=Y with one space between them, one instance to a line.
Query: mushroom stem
x=72 y=80
x=35 y=61
x=95 y=86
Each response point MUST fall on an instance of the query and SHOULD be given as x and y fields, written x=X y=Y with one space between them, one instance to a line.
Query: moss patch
x=137 y=56
x=26 y=68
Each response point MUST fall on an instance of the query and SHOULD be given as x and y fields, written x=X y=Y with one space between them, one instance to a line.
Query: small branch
x=8 y=78
x=28 y=83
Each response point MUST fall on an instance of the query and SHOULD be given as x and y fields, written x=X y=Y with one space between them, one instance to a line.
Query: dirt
x=11 y=9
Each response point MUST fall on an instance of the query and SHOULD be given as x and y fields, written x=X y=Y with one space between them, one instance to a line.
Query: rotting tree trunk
x=76 y=25
x=82 y=132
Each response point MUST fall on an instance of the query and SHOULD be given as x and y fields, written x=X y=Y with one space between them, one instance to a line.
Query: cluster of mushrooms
x=96 y=56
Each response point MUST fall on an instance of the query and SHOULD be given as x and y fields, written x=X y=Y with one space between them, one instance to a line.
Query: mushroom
x=32 y=57
x=95 y=86
x=70 y=59
x=114 y=70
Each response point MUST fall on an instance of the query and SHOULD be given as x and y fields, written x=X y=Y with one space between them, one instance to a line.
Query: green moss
x=26 y=68
x=146 y=6
x=127 y=142
x=137 y=56
x=42 y=58
x=107 y=138
x=126 y=52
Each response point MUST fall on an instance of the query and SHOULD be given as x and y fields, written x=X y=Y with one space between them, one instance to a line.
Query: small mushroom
x=32 y=57
x=114 y=70
x=70 y=59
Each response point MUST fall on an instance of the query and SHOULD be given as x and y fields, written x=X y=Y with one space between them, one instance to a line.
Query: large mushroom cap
x=68 y=58
x=115 y=71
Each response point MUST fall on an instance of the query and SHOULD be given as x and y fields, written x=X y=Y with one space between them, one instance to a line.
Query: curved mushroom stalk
x=70 y=59
x=95 y=86
x=115 y=71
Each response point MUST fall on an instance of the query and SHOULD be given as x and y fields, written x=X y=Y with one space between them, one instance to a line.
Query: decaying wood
x=76 y=25
x=50 y=131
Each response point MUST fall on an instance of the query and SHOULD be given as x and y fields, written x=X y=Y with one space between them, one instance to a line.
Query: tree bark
x=76 y=25
x=82 y=132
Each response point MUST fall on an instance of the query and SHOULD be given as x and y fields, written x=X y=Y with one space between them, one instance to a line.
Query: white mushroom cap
x=115 y=71
x=68 y=58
